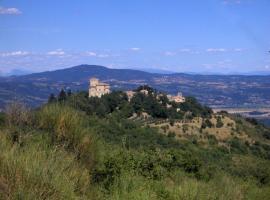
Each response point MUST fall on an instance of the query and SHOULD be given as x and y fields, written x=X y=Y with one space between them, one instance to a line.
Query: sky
x=198 y=36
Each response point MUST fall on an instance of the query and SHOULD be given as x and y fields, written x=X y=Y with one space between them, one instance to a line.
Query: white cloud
x=94 y=54
x=169 y=53
x=228 y=2
x=216 y=50
x=9 y=11
x=14 y=53
x=58 y=52
x=91 y=53
x=135 y=49
x=173 y=53
x=238 y=49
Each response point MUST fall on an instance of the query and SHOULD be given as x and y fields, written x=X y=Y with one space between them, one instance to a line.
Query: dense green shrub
x=237 y=146
x=219 y=122
x=107 y=173
x=69 y=128
x=206 y=123
x=212 y=140
x=195 y=108
x=245 y=167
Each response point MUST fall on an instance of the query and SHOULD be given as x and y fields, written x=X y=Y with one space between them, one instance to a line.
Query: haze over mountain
x=18 y=72
x=213 y=90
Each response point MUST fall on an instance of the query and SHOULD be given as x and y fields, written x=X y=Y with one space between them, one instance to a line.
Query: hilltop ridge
x=212 y=90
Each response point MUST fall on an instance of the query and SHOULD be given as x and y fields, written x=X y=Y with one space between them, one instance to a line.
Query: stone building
x=130 y=94
x=179 y=98
x=97 y=88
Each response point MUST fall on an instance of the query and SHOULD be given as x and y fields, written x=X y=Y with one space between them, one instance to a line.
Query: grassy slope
x=61 y=153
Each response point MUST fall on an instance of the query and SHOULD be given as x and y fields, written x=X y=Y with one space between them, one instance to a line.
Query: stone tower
x=97 y=88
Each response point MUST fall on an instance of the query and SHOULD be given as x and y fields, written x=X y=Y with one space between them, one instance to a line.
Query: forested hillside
x=76 y=147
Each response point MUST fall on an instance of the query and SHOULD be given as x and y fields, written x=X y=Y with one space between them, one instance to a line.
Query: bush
x=212 y=140
x=69 y=128
x=266 y=134
x=206 y=123
x=17 y=114
x=107 y=173
x=171 y=134
x=41 y=171
x=247 y=167
x=191 y=164
x=219 y=122
x=237 y=146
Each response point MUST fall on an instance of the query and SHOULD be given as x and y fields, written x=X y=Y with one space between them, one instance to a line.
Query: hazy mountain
x=157 y=71
x=17 y=72
x=214 y=90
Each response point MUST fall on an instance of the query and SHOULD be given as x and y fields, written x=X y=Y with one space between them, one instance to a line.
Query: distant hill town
x=217 y=91
x=97 y=89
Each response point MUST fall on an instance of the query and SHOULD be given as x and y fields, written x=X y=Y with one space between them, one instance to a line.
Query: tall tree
x=69 y=93
x=62 y=96
x=52 y=98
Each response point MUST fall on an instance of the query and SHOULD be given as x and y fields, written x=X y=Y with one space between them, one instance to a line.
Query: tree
x=52 y=98
x=62 y=96
x=208 y=123
x=219 y=122
x=17 y=114
x=69 y=93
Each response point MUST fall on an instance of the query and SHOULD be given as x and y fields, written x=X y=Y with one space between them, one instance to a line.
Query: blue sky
x=213 y=36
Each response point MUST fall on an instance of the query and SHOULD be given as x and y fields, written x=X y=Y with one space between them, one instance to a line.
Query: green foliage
x=149 y=103
x=192 y=105
x=62 y=96
x=52 y=98
x=219 y=122
x=212 y=140
x=40 y=171
x=191 y=164
x=87 y=148
x=185 y=128
x=114 y=131
x=237 y=145
x=258 y=169
x=107 y=173
x=252 y=121
x=70 y=128
x=2 y=119
x=266 y=134
x=153 y=103
x=206 y=123
x=171 y=134
x=17 y=115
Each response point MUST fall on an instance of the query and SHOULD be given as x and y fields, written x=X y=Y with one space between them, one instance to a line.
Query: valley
x=217 y=91
x=260 y=114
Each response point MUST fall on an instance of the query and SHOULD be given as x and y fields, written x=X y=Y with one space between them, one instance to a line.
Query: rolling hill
x=213 y=90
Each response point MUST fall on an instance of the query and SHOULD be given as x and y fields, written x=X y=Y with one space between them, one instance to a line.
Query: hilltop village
x=97 y=89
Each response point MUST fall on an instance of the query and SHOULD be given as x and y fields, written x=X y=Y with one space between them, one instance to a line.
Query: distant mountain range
x=16 y=72
x=213 y=90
